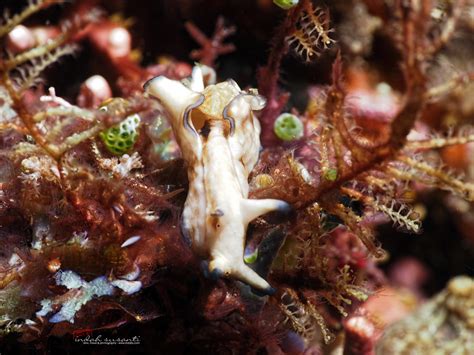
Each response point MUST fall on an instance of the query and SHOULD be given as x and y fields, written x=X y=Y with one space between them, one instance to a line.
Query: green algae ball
x=119 y=139
x=288 y=127
x=286 y=4
x=330 y=174
x=251 y=258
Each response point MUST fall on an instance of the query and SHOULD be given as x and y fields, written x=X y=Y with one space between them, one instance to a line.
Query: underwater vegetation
x=231 y=177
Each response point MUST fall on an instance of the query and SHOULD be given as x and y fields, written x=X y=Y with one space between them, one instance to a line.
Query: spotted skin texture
x=219 y=138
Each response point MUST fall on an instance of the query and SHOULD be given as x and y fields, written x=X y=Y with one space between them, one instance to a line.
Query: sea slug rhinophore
x=219 y=137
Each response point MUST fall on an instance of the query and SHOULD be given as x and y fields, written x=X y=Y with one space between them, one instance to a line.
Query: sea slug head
x=240 y=111
x=175 y=96
x=192 y=104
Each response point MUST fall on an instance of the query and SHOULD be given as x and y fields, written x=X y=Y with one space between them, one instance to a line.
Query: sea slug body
x=219 y=137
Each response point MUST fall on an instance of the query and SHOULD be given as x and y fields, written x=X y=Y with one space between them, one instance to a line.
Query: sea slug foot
x=215 y=274
x=269 y=291
x=284 y=207
x=186 y=234
x=212 y=271
x=238 y=270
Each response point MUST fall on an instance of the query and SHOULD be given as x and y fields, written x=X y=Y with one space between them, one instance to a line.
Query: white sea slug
x=219 y=137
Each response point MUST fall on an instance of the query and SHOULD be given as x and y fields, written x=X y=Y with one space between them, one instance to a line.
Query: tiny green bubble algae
x=286 y=4
x=288 y=127
x=119 y=139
